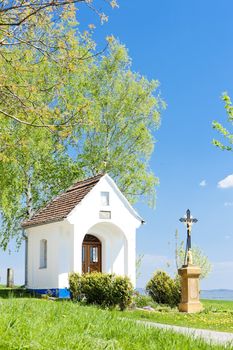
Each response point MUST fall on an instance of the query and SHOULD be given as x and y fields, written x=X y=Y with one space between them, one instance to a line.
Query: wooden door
x=91 y=254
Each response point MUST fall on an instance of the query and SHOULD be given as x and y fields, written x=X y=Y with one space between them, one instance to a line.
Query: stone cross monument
x=189 y=273
x=188 y=221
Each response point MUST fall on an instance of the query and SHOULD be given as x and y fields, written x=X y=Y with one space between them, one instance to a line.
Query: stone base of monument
x=190 y=289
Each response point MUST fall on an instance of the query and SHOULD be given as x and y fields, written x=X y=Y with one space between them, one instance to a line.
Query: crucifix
x=188 y=220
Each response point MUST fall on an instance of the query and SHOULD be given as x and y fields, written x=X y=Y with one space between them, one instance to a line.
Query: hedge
x=107 y=290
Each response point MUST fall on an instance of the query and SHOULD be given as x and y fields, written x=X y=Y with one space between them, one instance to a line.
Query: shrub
x=75 y=285
x=122 y=291
x=143 y=300
x=107 y=290
x=97 y=288
x=163 y=289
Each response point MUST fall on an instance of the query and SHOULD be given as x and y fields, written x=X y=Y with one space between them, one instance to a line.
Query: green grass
x=17 y=291
x=43 y=324
x=218 y=305
x=217 y=315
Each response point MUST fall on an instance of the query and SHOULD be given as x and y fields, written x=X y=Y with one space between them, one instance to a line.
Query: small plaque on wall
x=104 y=214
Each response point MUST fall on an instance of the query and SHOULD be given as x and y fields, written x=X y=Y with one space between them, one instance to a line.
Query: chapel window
x=43 y=254
x=83 y=254
x=104 y=198
x=94 y=254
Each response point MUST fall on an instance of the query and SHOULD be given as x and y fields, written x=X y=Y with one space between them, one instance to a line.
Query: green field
x=217 y=315
x=27 y=323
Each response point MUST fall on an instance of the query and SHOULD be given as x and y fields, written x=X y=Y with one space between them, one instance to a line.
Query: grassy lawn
x=17 y=291
x=217 y=315
x=28 y=323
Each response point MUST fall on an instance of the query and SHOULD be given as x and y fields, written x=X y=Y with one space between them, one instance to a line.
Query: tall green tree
x=120 y=111
x=41 y=105
x=67 y=110
x=127 y=111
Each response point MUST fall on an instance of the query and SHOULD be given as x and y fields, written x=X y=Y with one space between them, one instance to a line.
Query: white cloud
x=227 y=182
x=203 y=183
x=228 y=204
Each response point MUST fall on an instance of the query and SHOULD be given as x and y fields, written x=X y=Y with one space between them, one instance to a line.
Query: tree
x=120 y=110
x=34 y=85
x=199 y=258
x=33 y=171
x=126 y=113
x=39 y=90
x=225 y=133
x=33 y=33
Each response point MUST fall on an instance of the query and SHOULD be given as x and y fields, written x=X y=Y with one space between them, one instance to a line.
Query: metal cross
x=188 y=220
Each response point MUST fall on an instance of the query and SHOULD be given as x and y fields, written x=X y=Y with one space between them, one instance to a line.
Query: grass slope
x=217 y=315
x=40 y=324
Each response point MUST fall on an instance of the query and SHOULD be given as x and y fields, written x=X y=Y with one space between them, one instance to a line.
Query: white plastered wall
x=59 y=255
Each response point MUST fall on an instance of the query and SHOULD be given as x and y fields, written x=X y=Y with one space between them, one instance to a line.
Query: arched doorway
x=91 y=254
x=114 y=248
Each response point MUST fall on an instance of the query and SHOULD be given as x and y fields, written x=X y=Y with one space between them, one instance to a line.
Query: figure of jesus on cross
x=188 y=220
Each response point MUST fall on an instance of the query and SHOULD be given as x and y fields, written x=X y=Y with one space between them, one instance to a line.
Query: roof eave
x=25 y=226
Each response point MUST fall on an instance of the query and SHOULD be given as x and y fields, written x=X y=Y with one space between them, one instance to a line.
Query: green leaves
x=71 y=118
x=104 y=289
x=199 y=259
x=163 y=289
x=127 y=110
x=34 y=171
x=226 y=135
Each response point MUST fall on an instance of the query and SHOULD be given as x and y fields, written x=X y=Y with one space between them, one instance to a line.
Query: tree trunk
x=29 y=198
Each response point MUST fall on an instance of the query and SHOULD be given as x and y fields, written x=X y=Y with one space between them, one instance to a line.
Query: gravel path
x=211 y=337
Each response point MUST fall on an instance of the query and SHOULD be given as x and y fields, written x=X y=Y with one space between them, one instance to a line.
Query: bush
x=107 y=290
x=75 y=285
x=163 y=289
x=122 y=292
x=144 y=300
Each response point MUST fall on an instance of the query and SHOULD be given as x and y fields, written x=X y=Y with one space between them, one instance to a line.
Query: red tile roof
x=60 y=207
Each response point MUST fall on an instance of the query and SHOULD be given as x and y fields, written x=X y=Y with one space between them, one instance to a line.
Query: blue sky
x=188 y=47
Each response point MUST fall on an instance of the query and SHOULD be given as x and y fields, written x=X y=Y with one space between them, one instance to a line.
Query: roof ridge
x=82 y=183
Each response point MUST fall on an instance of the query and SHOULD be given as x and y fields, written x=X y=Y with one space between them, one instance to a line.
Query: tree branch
x=43 y=125
x=34 y=12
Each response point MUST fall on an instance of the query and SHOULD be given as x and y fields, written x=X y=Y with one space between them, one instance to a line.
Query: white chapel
x=90 y=227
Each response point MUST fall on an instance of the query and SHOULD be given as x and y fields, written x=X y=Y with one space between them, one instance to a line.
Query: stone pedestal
x=190 y=289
